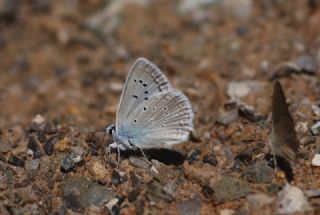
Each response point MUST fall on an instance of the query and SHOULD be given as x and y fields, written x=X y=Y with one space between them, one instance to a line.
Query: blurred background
x=67 y=59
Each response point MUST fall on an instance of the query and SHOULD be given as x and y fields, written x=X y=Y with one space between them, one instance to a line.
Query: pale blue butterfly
x=151 y=114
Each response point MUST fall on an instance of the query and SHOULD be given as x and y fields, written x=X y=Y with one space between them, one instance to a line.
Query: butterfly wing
x=143 y=81
x=163 y=120
x=284 y=137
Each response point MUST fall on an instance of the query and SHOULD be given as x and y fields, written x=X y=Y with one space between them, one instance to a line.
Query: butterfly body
x=151 y=113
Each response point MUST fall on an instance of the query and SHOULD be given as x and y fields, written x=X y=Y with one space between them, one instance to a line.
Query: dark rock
x=42 y=137
x=15 y=161
x=133 y=195
x=49 y=129
x=282 y=164
x=242 y=159
x=193 y=155
x=9 y=10
x=210 y=159
x=67 y=164
x=250 y=113
x=35 y=147
x=117 y=177
x=48 y=147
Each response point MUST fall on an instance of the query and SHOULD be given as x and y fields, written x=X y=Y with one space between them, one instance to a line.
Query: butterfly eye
x=110 y=129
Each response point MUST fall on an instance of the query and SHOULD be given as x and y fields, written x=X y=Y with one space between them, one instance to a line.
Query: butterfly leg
x=144 y=155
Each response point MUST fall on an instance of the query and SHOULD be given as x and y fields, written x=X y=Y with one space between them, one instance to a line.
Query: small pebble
x=193 y=155
x=307 y=64
x=260 y=172
x=38 y=119
x=291 y=199
x=5 y=146
x=210 y=159
x=190 y=207
x=138 y=162
x=48 y=147
x=257 y=201
x=112 y=203
x=42 y=137
x=16 y=161
x=32 y=165
x=97 y=169
x=315 y=129
x=316 y=160
x=35 y=147
x=118 y=177
x=226 y=117
x=227 y=212
x=229 y=188
x=250 y=113
x=242 y=88
x=67 y=164
x=316 y=109
x=242 y=159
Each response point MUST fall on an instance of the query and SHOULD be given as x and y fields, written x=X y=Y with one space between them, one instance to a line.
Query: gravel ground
x=63 y=65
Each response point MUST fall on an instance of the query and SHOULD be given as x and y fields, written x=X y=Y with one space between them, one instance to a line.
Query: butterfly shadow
x=163 y=155
x=282 y=164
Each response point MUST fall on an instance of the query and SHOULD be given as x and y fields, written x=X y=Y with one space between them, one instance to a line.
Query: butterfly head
x=111 y=129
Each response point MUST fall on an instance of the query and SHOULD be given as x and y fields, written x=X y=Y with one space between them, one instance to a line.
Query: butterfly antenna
x=118 y=149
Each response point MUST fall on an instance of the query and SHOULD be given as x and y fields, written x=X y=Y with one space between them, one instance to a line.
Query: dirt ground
x=63 y=64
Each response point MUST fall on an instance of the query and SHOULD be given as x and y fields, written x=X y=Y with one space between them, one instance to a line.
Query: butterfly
x=151 y=113
x=283 y=135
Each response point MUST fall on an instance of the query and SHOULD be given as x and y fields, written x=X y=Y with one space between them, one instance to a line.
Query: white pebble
x=315 y=129
x=291 y=199
x=316 y=160
x=38 y=119
x=227 y=212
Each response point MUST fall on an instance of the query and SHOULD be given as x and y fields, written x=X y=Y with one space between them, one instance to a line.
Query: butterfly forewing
x=143 y=81
x=284 y=138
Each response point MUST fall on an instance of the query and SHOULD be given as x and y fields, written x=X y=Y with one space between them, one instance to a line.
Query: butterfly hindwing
x=164 y=119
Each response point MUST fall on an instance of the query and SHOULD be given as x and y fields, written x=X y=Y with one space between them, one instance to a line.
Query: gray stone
x=229 y=188
x=307 y=64
x=226 y=117
x=190 y=207
x=260 y=172
x=81 y=193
